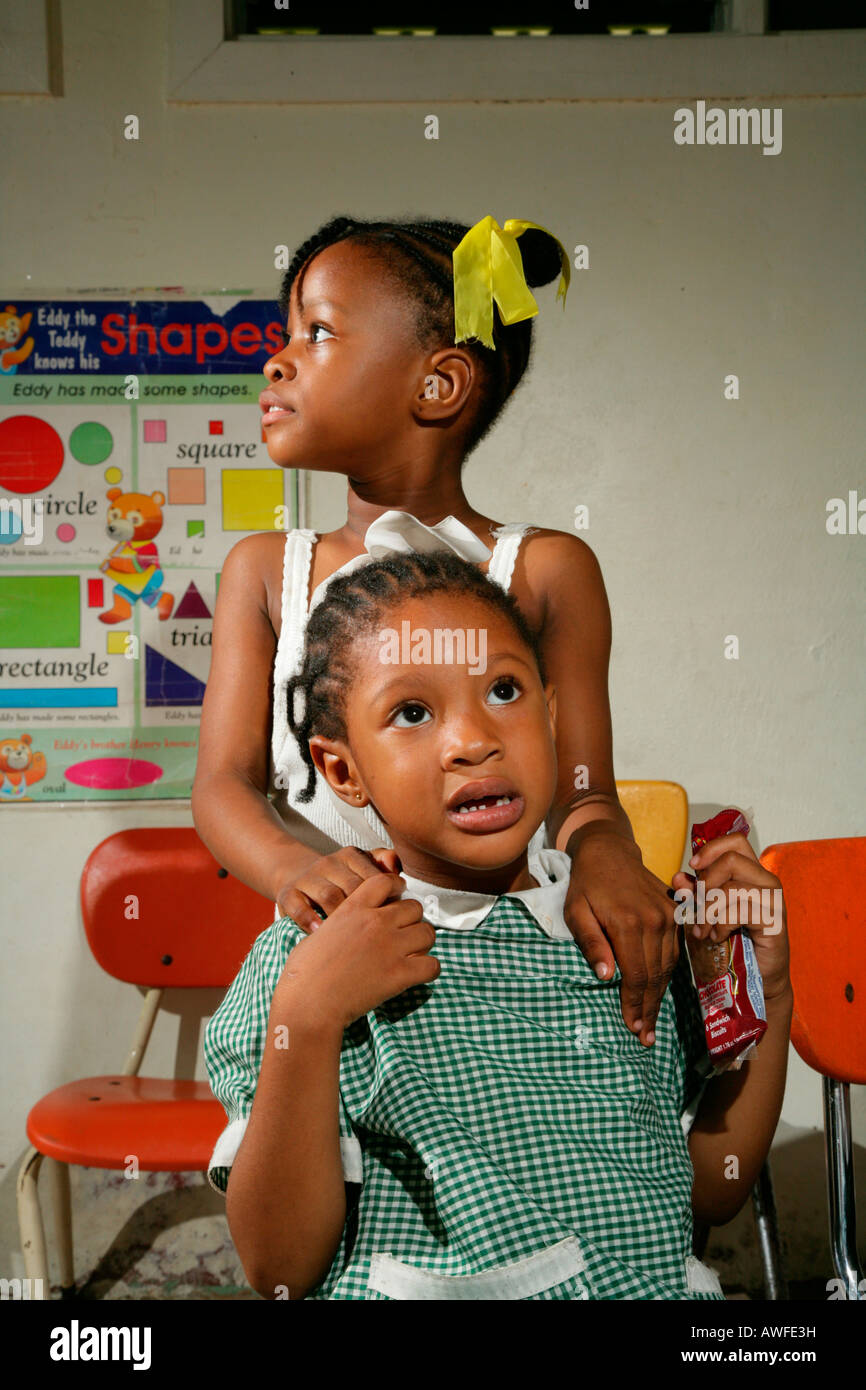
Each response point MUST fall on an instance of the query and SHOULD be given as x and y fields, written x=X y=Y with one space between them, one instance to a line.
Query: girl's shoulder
x=260 y=553
x=255 y=563
x=542 y=543
x=554 y=568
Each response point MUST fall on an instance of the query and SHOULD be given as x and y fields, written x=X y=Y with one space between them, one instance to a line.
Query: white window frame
x=205 y=67
x=742 y=61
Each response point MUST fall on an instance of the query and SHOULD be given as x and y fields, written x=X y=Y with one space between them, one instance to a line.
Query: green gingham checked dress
x=510 y=1139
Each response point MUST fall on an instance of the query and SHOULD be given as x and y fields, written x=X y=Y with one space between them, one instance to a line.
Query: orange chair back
x=822 y=881
x=658 y=812
x=157 y=912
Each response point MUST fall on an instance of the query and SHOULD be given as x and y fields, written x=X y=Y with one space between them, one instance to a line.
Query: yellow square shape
x=250 y=498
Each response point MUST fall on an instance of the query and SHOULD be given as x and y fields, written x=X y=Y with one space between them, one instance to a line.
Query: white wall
x=708 y=516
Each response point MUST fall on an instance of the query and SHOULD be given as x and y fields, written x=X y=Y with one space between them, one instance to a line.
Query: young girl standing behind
x=372 y=383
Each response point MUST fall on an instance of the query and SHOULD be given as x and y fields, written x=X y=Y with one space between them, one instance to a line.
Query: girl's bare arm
x=616 y=909
x=566 y=580
x=230 y=806
x=285 y=1201
x=736 y=1121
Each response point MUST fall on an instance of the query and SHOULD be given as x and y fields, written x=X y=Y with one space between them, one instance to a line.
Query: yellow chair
x=659 y=813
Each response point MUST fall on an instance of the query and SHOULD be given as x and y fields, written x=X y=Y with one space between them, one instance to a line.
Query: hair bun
x=540 y=255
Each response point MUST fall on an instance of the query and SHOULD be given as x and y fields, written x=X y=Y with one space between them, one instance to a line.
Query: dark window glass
x=477 y=19
x=248 y=17
x=806 y=14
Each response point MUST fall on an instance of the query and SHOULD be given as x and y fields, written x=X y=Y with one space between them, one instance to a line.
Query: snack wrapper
x=726 y=973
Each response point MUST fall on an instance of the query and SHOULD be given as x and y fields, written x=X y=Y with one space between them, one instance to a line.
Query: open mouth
x=276 y=412
x=485 y=813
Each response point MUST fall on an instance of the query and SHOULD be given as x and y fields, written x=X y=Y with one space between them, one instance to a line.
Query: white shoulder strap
x=508 y=540
x=297 y=559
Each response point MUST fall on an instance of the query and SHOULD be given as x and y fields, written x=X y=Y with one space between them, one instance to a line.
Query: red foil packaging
x=726 y=973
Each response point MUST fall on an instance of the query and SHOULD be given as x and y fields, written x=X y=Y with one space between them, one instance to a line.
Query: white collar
x=456 y=908
x=400 y=532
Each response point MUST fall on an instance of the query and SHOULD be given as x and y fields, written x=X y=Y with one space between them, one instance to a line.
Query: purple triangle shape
x=192 y=605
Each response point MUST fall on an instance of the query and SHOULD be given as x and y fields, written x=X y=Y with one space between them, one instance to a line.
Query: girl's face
x=350 y=371
x=423 y=735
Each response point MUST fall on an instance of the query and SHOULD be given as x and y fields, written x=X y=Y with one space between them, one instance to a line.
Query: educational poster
x=131 y=461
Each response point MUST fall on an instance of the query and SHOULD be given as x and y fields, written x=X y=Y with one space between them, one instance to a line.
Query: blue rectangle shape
x=60 y=698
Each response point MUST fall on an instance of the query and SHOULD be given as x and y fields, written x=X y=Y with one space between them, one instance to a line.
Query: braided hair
x=417 y=258
x=355 y=604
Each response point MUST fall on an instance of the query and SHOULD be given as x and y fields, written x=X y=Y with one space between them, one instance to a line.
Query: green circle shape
x=90 y=443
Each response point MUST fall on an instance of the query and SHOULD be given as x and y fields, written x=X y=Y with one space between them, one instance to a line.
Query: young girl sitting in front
x=450 y=1050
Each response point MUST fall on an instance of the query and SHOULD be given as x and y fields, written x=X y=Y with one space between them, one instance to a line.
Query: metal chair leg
x=840 y=1186
x=31 y=1227
x=767 y=1226
x=57 y=1174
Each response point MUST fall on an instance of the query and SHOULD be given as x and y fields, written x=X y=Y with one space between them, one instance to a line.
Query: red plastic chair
x=823 y=885
x=158 y=912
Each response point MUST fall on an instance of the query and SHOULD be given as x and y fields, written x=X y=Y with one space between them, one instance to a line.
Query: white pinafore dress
x=326 y=823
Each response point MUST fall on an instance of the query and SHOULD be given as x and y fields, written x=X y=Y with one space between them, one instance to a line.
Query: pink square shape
x=186 y=486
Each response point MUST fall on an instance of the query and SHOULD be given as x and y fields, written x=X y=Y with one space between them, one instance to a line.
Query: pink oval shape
x=113 y=774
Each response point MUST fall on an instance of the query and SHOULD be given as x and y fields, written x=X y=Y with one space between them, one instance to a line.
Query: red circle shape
x=113 y=774
x=31 y=453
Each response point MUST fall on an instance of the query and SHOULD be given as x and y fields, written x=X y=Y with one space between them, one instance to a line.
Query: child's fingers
x=736 y=866
x=661 y=951
x=710 y=852
x=351 y=866
x=593 y=942
x=417 y=939
x=387 y=859
x=312 y=891
x=737 y=904
x=736 y=891
x=296 y=905
x=323 y=892
x=685 y=881
x=376 y=890
x=583 y=925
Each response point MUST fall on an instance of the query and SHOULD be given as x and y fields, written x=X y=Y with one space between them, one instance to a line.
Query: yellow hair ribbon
x=487 y=267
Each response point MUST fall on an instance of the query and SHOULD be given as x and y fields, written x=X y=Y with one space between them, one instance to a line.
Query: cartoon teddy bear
x=12 y=330
x=20 y=767
x=133 y=565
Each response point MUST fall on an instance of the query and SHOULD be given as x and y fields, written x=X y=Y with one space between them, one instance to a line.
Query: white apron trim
x=700 y=1278
x=522 y=1279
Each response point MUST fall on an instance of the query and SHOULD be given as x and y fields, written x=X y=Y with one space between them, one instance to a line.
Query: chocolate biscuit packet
x=726 y=973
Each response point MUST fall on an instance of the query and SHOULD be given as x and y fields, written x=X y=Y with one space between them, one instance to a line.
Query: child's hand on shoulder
x=328 y=881
x=372 y=947
x=613 y=900
x=729 y=864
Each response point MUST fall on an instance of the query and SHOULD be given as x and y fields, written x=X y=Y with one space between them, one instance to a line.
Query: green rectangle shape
x=40 y=610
